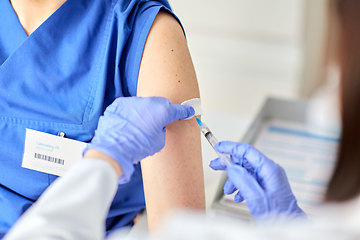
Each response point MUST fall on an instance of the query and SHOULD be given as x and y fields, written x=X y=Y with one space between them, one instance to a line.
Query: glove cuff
x=126 y=166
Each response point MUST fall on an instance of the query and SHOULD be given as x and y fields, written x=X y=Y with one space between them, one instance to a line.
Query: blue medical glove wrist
x=259 y=181
x=133 y=128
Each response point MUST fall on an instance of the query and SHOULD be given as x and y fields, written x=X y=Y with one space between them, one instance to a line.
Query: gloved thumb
x=178 y=111
x=216 y=164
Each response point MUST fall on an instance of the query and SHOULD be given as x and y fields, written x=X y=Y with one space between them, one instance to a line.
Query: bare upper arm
x=166 y=67
x=173 y=178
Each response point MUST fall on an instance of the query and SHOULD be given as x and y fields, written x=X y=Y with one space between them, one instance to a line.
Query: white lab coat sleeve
x=75 y=206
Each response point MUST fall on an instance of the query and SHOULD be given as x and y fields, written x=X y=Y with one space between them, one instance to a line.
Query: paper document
x=307 y=156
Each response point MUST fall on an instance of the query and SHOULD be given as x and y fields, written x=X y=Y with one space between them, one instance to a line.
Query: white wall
x=243 y=50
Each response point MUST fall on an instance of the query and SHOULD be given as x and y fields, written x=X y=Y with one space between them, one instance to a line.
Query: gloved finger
x=264 y=168
x=177 y=111
x=229 y=187
x=245 y=183
x=226 y=147
x=230 y=147
x=217 y=165
x=238 y=198
x=245 y=164
x=261 y=165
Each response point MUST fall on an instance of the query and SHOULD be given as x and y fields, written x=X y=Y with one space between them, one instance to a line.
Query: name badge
x=51 y=154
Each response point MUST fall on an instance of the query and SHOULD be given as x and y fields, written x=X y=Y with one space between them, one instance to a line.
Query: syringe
x=224 y=157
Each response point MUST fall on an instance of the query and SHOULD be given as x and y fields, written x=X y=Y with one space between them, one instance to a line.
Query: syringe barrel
x=224 y=157
x=211 y=138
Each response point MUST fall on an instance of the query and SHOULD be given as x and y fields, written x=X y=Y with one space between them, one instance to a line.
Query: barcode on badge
x=49 y=159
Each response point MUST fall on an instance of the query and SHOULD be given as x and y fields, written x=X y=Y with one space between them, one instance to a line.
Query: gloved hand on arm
x=133 y=128
x=260 y=182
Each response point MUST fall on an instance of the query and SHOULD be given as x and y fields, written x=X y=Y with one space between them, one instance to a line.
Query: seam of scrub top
x=90 y=105
x=42 y=123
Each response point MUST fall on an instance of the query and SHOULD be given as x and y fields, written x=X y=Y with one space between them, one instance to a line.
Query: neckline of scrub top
x=12 y=33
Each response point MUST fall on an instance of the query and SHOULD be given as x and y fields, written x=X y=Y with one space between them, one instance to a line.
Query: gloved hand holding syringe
x=224 y=157
x=256 y=178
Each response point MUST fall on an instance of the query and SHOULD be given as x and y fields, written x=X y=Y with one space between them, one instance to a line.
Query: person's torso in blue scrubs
x=60 y=79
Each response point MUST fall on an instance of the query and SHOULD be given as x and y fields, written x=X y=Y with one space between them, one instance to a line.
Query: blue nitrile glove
x=133 y=128
x=261 y=183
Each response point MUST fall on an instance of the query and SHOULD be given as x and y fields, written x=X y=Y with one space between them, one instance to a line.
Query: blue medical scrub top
x=60 y=79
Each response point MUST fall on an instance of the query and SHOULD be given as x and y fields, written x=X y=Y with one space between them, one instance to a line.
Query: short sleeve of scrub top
x=60 y=79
